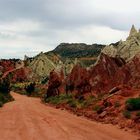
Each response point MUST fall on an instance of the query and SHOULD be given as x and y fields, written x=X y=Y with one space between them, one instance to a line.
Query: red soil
x=26 y=118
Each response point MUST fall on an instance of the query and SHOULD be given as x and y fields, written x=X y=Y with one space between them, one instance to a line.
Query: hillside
x=85 y=54
x=64 y=56
x=107 y=91
x=41 y=65
x=78 y=50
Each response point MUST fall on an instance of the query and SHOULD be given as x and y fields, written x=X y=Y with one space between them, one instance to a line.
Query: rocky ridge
x=125 y=49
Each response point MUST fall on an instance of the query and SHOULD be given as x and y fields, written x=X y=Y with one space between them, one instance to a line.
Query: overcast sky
x=31 y=26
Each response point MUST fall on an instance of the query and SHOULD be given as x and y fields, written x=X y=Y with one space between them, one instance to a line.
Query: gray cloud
x=42 y=24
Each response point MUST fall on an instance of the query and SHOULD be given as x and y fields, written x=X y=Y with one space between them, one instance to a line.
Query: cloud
x=31 y=26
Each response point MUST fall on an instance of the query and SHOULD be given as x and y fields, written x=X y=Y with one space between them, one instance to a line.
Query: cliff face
x=56 y=84
x=78 y=81
x=129 y=74
x=103 y=73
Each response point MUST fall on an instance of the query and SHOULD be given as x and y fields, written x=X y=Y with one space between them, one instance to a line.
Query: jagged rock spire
x=133 y=31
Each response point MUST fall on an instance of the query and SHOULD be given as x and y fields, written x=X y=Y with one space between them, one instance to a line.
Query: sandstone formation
x=78 y=81
x=125 y=49
x=110 y=50
x=42 y=66
x=129 y=74
x=55 y=85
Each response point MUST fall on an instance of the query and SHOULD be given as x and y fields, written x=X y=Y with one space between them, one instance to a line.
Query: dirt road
x=28 y=119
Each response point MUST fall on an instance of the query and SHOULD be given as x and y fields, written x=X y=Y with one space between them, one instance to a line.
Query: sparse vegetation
x=87 y=102
x=5 y=85
x=69 y=100
x=30 y=88
x=133 y=104
x=18 y=87
x=62 y=98
x=77 y=50
x=98 y=109
x=4 y=91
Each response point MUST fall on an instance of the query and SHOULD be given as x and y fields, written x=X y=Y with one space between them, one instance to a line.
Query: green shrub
x=72 y=103
x=30 y=88
x=4 y=85
x=87 y=102
x=59 y=99
x=133 y=104
x=4 y=91
x=70 y=100
x=127 y=114
x=54 y=100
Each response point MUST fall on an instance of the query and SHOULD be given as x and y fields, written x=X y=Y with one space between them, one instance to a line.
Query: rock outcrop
x=110 y=50
x=103 y=73
x=42 y=66
x=56 y=84
x=20 y=75
x=133 y=32
x=129 y=74
x=125 y=49
x=78 y=81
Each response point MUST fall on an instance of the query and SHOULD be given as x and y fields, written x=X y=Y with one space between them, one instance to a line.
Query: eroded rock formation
x=42 y=66
x=55 y=85
x=125 y=49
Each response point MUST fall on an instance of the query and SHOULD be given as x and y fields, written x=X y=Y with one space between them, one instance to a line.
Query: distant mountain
x=78 y=50
x=85 y=54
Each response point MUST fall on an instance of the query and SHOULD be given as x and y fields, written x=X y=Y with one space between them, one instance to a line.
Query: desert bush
x=4 y=85
x=70 y=100
x=30 y=88
x=4 y=91
x=87 y=102
x=133 y=104
x=59 y=99
x=72 y=103
x=53 y=100
x=63 y=99
x=127 y=114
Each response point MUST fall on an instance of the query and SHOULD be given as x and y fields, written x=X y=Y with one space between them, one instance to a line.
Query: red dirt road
x=28 y=119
